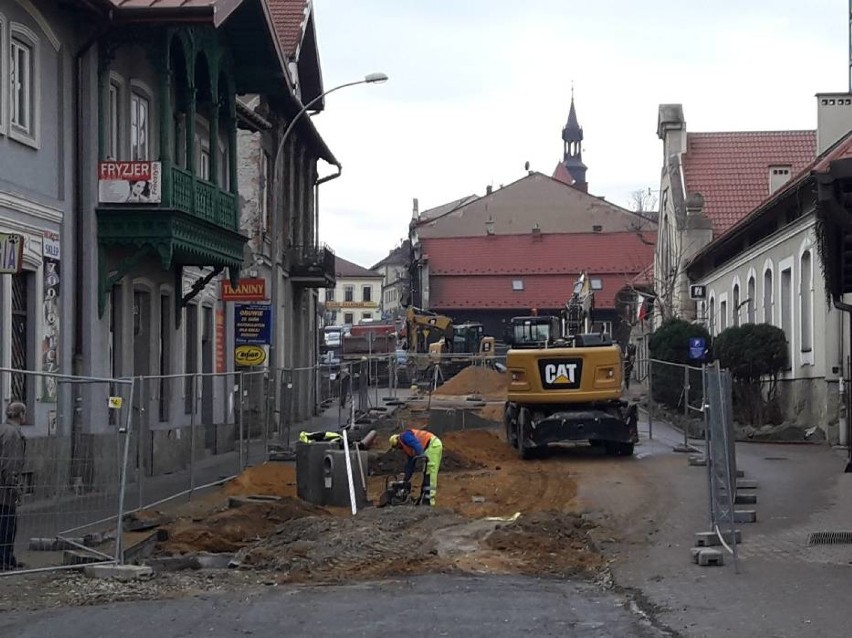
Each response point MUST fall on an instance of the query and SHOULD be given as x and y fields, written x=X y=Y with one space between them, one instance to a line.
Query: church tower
x=571 y=167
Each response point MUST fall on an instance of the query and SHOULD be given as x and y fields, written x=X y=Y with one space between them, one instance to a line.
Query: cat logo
x=560 y=374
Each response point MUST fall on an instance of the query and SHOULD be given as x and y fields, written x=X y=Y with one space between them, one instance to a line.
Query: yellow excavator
x=565 y=384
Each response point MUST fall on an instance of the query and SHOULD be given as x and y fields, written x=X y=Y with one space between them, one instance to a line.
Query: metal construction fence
x=721 y=456
x=71 y=475
x=99 y=449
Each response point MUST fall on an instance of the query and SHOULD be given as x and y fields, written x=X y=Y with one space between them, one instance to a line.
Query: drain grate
x=830 y=538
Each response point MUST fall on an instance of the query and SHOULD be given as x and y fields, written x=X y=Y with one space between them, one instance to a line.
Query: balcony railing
x=312 y=266
x=211 y=203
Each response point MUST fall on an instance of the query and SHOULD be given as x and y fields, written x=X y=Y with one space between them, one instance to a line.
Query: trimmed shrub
x=755 y=354
x=670 y=342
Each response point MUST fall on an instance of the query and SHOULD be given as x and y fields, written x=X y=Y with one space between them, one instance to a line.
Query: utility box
x=335 y=484
x=309 y=470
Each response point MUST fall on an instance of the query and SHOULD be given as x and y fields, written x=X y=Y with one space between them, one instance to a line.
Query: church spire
x=572 y=137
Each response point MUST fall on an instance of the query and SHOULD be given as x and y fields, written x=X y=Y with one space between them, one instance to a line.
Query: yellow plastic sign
x=248 y=355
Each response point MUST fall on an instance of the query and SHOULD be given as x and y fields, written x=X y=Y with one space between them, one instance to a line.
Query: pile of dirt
x=550 y=543
x=393 y=462
x=484 y=382
x=492 y=412
x=272 y=478
x=228 y=530
x=375 y=543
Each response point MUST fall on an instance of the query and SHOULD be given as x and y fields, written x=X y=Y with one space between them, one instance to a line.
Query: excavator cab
x=467 y=337
x=534 y=332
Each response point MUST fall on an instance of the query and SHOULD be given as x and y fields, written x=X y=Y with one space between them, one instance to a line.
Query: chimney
x=488 y=189
x=415 y=211
x=834 y=118
x=778 y=176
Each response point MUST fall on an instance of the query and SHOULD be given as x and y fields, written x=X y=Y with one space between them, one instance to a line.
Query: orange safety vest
x=424 y=437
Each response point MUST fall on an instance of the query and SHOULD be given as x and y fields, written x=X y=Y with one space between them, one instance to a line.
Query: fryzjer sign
x=11 y=253
x=129 y=182
x=252 y=323
x=246 y=290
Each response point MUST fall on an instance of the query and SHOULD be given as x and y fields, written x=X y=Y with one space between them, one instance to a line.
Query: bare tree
x=644 y=202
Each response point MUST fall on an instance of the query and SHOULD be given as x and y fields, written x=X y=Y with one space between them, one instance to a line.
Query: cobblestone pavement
x=784 y=588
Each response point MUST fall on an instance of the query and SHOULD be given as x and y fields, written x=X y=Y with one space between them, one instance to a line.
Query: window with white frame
x=723 y=314
x=767 y=296
x=712 y=318
x=806 y=301
x=786 y=308
x=139 y=126
x=736 y=304
x=113 y=120
x=22 y=84
x=750 y=301
x=366 y=293
x=204 y=162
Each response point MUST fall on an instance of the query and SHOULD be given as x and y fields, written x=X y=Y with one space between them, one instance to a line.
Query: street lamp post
x=277 y=230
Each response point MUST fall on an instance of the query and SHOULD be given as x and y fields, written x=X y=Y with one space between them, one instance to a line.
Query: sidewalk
x=785 y=587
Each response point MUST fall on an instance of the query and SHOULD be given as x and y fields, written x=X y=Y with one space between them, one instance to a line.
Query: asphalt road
x=438 y=605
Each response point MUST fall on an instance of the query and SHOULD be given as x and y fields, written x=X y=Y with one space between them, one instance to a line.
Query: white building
x=356 y=296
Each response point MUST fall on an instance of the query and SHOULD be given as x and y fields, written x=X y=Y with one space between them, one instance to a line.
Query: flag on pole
x=640 y=307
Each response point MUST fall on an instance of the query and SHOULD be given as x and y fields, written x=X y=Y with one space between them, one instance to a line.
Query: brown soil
x=274 y=479
x=484 y=382
x=495 y=514
x=548 y=543
x=231 y=529
x=492 y=412
x=393 y=462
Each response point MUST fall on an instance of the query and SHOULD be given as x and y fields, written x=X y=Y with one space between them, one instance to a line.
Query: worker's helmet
x=394 y=440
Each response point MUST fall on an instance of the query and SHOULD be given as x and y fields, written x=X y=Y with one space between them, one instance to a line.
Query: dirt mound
x=376 y=542
x=231 y=529
x=484 y=382
x=480 y=446
x=551 y=543
x=274 y=479
x=393 y=462
x=492 y=412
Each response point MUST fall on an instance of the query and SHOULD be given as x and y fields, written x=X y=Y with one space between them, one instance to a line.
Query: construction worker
x=416 y=444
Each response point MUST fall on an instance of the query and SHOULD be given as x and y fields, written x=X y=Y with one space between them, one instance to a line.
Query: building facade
x=356 y=297
x=118 y=137
x=394 y=272
x=769 y=267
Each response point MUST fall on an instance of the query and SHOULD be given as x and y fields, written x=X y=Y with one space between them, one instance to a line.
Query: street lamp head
x=375 y=78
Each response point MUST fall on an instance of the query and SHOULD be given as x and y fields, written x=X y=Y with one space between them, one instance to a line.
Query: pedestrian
x=12 y=448
x=419 y=444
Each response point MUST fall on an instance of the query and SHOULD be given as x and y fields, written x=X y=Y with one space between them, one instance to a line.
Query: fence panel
x=77 y=438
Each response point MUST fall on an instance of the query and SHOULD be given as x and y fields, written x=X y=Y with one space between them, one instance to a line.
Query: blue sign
x=252 y=324
x=697 y=348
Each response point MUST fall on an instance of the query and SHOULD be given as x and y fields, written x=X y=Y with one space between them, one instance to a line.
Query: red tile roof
x=495 y=291
x=731 y=170
x=290 y=18
x=561 y=173
x=477 y=272
x=842 y=149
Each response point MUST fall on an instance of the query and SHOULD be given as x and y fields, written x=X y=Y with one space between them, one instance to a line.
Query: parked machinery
x=565 y=384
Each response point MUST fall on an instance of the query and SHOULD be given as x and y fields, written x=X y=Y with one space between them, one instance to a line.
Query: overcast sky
x=479 y=87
